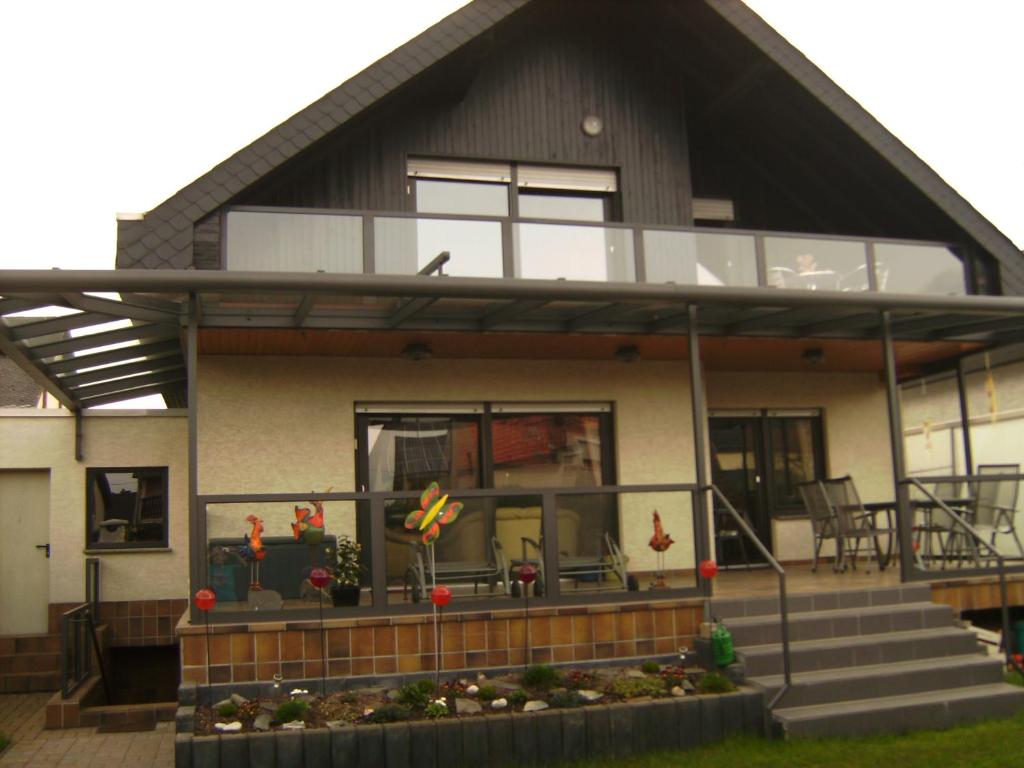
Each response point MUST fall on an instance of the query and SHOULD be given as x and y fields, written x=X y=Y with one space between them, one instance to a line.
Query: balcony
x=352 y=242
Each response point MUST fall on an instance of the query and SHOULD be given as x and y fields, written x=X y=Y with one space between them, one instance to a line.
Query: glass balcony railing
x=403 y=244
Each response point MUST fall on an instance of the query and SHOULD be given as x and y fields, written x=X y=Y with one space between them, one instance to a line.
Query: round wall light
x=592 y=125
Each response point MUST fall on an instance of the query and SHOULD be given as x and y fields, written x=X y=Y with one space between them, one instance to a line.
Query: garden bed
x=543 y=717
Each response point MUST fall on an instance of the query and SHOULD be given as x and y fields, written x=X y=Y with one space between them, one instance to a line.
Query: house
x=575 y=261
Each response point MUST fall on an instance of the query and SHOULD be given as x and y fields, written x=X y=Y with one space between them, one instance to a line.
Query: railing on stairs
x=79 y=644
x=958 y=520
x=783 y=601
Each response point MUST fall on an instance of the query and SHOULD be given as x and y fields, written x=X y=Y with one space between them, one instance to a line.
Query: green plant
x=227 y=709
x=389 y=713
x=650 y=668
x=565 y=700
x=541 y=677
x=713 y=682
x=417 y=694
x=517 y=697
x=436 y=709
x=634 y=687
x=347 y=568
x=4 y=741
x=487 y=693
x=296 y=709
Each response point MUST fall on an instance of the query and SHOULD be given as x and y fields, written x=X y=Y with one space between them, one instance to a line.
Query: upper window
x=126 y=507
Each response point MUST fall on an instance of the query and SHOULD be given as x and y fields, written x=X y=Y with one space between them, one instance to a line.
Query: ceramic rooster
x=253 y=551
x=659 y=542
x=309 y=524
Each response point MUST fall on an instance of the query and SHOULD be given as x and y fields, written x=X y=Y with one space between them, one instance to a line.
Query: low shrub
x=487 y=693
x=296 y=709
x=634 y=687
x=673 y=676
x=650 y=668
x=542 y=677
x=517 y=698
x=436 y=709
x=389 y=713
x=713 y=682
x=565 y=700
x=227 y=709
x=417 y=694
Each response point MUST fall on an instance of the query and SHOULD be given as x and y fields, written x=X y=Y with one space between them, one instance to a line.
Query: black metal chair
x=855 y=523
x=824 y=525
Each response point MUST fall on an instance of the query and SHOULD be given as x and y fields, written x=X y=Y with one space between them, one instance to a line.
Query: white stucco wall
x=45 y=440
x=856 y=426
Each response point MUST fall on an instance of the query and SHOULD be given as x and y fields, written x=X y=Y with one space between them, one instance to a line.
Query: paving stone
x=344 y=745
x=474 y=741
x=234 y=749
x=206 y=752
x=262 y=750
x=289 y=748
x=371 y=745
x=316 y=748
x=598 y=731
x=423 y=743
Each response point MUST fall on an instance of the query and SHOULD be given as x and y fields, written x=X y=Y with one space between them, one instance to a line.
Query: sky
x=112 y=106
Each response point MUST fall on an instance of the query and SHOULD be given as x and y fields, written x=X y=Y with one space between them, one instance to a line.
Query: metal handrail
x=783 y=602
x=1000 y=560
x=92 y=584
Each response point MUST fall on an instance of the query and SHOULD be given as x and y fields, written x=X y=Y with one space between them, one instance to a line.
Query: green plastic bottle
x=721 y=645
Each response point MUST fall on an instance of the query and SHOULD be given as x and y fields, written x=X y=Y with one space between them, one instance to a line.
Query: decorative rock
x=467 y=707
x=234 y=727
x=298 y=692
x=505 y=685
x=472 y=690
x=481 y=678
x=590 y=696
x=635 y=673
x=262 y=722
x=393 y=694
x=689 y=687
x=535 y=706
x=677 y=691
x=499 y=704
x=222 y=703
x=238 y=699
x=268 y=706
x=294 y=725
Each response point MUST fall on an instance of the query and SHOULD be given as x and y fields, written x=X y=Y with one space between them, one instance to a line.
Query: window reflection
x=929 y=269
x=536 y=205
x=462 y=197
x=547 y=451
x=566 y=252
x=691 y=258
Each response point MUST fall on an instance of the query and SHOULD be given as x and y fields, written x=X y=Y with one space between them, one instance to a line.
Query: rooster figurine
x=659 y=542
x=309 y=524
x=254 y=552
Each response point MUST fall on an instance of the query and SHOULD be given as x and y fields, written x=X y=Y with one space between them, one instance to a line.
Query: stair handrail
x=1000 y=561
x=783 y=600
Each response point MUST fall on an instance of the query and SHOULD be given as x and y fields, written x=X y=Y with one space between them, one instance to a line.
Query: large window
x=482 y=446
x=126 y=507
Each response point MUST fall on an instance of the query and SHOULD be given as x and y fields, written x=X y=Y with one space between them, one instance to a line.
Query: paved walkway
x=22 y=719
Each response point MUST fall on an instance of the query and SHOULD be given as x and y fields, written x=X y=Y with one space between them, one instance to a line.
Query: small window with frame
x=126 y=507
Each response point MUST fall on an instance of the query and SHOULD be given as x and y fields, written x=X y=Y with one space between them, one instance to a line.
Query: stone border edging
x=537 y=738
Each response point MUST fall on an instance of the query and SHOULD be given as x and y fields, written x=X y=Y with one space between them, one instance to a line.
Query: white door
x=24 y=567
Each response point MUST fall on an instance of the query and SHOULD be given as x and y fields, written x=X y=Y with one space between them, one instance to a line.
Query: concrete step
x=837 y=652
x=843 y=622
x=875 y=680
x=737 y=607
x=893 y=714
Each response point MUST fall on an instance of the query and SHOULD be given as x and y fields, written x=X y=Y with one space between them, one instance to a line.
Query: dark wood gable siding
x=518 y=95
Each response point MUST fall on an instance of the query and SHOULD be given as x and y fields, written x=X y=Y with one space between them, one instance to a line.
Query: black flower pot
x=345 y=595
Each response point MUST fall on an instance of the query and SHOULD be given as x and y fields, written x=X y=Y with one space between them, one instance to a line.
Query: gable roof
x=163 y=238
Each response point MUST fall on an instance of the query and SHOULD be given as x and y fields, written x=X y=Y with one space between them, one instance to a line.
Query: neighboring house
x=672 y=253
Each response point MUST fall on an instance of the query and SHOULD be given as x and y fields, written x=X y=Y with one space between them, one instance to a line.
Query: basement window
x=126 y=507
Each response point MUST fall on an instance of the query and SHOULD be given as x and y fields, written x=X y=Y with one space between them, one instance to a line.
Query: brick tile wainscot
x=243 y=653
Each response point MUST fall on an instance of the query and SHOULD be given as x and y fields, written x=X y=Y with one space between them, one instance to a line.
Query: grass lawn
x=989 y=744
x=4 y=741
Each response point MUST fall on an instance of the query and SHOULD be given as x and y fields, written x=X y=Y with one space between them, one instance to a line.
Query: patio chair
x=824 y=525
x=855 y=523
x=419 y=577
x=995 y=503
x=610 y=562
x=955 y=543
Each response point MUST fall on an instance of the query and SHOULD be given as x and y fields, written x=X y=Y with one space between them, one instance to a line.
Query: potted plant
x=347 y=572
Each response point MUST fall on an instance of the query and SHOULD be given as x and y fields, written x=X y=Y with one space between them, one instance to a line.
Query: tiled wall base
x=132 y=622
x=405 y=644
